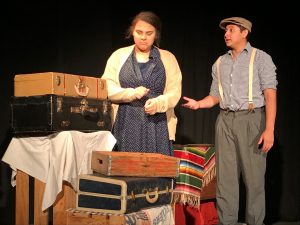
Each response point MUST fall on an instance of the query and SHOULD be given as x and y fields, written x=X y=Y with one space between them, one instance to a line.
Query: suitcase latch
x=101 y=84
x=65 y=123
x=83 y=108
x=132 y=195
x=57 y=80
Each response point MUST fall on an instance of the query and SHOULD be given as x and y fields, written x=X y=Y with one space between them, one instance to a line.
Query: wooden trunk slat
x=22 y=198
x=85 y=218
x=40 y=217
x=65 y=200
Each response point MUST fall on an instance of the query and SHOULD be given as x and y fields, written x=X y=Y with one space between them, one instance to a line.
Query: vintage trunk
x=155 y=215
x=105 y=194
x=59 y=84
x=51 y=113
x=134 y=164
x=76 y=217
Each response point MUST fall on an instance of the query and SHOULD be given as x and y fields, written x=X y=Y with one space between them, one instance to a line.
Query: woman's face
x=144 y=35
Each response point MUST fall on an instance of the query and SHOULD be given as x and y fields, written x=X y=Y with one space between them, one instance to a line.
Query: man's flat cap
x=236 y=20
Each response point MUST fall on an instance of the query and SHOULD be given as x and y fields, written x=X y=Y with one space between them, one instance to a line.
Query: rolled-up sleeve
x=267 y=71
x=214 y=90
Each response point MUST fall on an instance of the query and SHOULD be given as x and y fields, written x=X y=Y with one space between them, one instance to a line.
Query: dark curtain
x=78 y=36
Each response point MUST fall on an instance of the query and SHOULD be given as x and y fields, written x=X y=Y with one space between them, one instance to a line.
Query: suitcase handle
x=81 y=88
x=154 y=199
x=91 y=116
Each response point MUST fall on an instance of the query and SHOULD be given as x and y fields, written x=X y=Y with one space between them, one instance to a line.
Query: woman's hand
x=140 y=92
x=151 y=106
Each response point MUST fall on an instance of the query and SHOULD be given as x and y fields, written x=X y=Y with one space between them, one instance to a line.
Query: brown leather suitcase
x=59 y=84
x=135 y=164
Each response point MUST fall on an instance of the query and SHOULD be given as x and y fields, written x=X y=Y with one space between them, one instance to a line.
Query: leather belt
x=227 y=110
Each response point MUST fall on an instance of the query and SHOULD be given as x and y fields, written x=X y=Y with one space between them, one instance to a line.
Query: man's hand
x=191 y=103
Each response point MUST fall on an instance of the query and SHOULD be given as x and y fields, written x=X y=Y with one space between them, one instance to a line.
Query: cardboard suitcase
x=59 y=84
x=51 y=113
x=134 y=164
x=105 y=194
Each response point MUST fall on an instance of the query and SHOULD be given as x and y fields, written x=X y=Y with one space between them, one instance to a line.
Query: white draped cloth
x=56 y=158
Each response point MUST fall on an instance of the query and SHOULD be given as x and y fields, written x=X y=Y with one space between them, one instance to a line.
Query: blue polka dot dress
x=135 y=130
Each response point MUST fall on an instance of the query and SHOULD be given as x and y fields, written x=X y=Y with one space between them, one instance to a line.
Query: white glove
x=140 y=92
x=151 y=106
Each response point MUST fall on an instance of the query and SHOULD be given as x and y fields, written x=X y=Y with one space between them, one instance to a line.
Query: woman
x=144 y=83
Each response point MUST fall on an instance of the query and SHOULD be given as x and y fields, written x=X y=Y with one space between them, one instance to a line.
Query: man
x=244 y=84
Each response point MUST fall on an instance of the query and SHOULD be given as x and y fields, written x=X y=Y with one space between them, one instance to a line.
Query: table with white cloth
x=55 y=161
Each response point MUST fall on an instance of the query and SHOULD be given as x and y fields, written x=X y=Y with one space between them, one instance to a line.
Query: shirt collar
x=247 y=48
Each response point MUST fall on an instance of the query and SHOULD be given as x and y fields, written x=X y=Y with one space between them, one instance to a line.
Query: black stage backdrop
x=78 y=37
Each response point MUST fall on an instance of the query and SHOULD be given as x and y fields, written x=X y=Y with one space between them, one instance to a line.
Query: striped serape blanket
x=196 y=170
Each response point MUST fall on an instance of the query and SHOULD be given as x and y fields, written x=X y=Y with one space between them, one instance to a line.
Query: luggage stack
x=127 y=182
x=52 y=102
x=122 y=183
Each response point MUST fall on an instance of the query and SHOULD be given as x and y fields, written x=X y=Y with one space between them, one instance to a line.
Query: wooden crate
x=134 y=164
x=76 y=217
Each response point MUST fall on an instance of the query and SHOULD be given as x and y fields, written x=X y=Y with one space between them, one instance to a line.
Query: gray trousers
x=237 y=153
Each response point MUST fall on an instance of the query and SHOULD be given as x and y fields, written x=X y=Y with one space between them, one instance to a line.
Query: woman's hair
x=148 y=17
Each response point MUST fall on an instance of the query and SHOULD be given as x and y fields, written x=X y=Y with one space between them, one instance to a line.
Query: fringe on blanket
x=209 y=176
x=192 y=199
x=186 y=198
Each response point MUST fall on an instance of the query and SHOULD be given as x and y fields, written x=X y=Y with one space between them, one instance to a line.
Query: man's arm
x=207 y=102
x=267 y=137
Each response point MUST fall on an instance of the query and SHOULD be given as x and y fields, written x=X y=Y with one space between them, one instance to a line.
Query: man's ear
x=245 y=33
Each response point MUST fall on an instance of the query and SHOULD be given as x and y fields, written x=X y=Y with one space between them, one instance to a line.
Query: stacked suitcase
x=51 y=102
x=126 y=182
